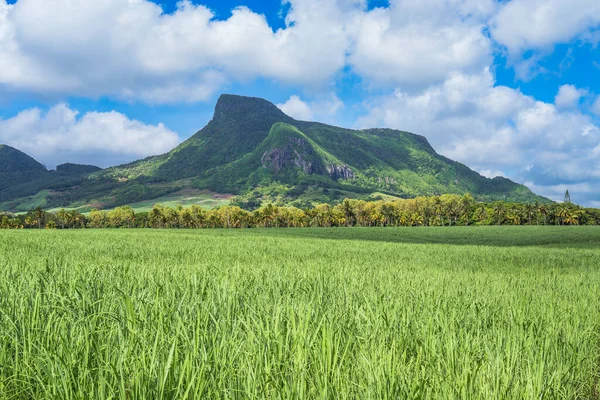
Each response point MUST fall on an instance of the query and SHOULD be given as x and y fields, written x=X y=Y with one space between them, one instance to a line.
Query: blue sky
x=507 y=87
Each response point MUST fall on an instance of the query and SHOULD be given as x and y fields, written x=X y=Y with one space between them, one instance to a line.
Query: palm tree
x=416 y=219
x=438 y=208
x=465 y=205
x=529 y=208
x=403 y=220
x=499 y=211
x=39 y=216
x=349 y=213
x=387 y=213
x=581 y=214
x=156 y=217
x=62 y=216
x=542 y=209
x=198 y=216
x=481 y=213
x=267 y=214
x=562 y=212
x=572 y=218
x=451 y=211
x=76 y=218
x=514 y=217
x=186 y=219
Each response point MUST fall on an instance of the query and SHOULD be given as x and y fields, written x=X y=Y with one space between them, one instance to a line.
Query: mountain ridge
x=252 y=149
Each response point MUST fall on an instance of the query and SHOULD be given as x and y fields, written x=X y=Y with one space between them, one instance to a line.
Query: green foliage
x=13 y=161
x=235 y=153
x=17 y=167
x=300 y=313
x=251 y=145
x=76 y=169
x=25 y=182
x=445 y=210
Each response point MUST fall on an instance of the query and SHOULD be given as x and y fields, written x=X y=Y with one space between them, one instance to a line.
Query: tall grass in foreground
x=270 y=314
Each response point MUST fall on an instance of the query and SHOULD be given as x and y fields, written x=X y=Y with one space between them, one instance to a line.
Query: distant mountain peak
x=13 y=160
x=77 y=169
x=233 y=106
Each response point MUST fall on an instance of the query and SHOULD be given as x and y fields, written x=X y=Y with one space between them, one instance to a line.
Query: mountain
x=77 y=169
x=23 y=178
x=17 y=167
x=238 y=126
x=251 y=149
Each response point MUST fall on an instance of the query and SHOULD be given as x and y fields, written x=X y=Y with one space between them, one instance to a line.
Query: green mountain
x=76 y=169
x=251 y=149
x=17 y=167
x=25 y=183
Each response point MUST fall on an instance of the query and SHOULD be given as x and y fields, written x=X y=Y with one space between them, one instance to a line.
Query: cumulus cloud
x=103 y=139
x=496 y=128
x=321 y=108
x=132 y=50
x=568 y=96
x=419 y=43
x=522 y=25
x=296 y=108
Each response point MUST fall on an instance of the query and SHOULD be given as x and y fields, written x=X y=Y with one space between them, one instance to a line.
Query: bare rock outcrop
x=298 y=153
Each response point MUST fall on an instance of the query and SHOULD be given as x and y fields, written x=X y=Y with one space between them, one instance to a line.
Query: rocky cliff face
x=298 y=153
x=340 y=172
x=295 y=154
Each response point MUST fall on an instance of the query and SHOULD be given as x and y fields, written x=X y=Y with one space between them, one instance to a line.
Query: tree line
x=444 y=210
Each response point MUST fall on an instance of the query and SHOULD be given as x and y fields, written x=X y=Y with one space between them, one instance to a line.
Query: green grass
x=435 y=313
x=28 y=203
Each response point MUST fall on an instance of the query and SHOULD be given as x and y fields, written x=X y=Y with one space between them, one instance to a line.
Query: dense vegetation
x=252 y=149
x=23 y=178
x=17 y=167
x=251 y=144
x=510 y=313
x=445 y=210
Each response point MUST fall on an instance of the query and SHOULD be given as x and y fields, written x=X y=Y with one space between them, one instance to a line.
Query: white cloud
x=596 y=106
x=496 y=128
x=132 y=50
x=522 y=25
x=582 y=191
x=488 y=173
x=321 y=108
x=568 y=96
x=414 y=44
x=296 y=108
x=60 y=135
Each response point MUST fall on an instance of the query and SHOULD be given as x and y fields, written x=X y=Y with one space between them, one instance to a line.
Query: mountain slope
x=22 y=179
x=17 y=167
x=238 y=126
x=252 y=149
x=238 y=149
